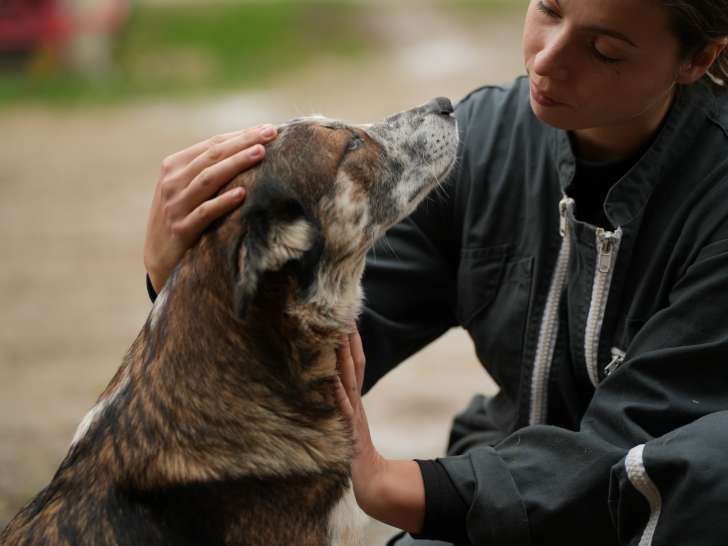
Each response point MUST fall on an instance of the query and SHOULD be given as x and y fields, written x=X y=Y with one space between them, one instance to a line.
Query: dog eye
x=355 y=142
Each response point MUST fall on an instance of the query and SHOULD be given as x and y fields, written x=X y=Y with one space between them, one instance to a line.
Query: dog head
x=328 y=190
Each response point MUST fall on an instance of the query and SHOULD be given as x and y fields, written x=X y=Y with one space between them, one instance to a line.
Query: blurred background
x=95 y=93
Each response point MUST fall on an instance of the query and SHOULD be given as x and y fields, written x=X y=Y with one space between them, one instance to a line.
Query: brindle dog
x=221 y=427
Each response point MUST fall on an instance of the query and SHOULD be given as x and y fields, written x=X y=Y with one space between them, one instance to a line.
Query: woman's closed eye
x=593 y=49
x=602 y=57
x=543 y=8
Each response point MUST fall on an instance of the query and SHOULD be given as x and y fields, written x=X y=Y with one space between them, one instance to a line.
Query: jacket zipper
x=607 y=248
x=550 y=321
x=617 y=360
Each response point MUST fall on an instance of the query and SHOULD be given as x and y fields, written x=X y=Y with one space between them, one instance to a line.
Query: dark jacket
x=609 y=344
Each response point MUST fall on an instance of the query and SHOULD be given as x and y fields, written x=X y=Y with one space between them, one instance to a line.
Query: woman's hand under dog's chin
x=391 y=491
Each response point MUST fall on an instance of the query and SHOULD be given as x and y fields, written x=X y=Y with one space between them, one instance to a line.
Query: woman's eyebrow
x=603 y=30
x=608 y=32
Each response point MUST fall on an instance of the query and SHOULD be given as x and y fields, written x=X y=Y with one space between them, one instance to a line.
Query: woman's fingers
x=182 y=168
x=195 y=222
x=184 y=193
x=358 y=357
x=225 y=148
x=348 y=395
x=345 y=396
x=342 y=399
x=347 y=371
x=212 y=178
x=183 y=157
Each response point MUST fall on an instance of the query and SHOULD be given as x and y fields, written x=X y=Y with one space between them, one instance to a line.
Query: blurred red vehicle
x=26 y=25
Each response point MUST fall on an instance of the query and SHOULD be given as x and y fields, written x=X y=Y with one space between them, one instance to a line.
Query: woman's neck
x=621 y=141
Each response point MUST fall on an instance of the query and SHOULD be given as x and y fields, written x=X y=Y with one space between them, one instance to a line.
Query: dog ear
x=280 y=234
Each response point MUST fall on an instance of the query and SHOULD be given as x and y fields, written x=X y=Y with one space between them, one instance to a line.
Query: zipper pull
x=564 y=206
x=606 y=248
x=615 y=363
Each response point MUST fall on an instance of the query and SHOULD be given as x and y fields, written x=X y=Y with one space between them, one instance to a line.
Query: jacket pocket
x=494 y=290
x=479 y=276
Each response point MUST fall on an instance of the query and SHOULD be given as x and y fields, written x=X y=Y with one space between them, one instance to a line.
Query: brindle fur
x=221 y=426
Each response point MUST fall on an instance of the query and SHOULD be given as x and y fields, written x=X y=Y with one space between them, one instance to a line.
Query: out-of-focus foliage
x=171 y=48
x=187 y=48
x=495 y=6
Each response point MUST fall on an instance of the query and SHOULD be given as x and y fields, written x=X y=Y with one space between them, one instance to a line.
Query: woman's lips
x=542 y=98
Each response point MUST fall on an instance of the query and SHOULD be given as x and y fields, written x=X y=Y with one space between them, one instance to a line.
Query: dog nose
x=440 y=105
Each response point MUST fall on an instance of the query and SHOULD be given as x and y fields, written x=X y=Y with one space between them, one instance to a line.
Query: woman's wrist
x=157 y=276
x=156 y=280
x=391 y=491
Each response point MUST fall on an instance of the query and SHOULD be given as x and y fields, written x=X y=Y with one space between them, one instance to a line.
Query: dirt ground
x=75 y=187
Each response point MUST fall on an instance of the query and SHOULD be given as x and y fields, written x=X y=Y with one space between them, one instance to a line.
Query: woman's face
x=599 y=63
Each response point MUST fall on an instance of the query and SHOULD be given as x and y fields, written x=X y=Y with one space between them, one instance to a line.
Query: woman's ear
x=696 y=67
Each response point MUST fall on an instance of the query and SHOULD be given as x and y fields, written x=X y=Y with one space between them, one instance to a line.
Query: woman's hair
x=696 y=23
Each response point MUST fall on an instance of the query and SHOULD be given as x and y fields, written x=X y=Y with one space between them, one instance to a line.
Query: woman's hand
x=185 y=200
x=388 y=490
x=350 y=363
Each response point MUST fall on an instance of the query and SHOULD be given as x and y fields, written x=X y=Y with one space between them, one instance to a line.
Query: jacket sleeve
x=409 y=286
x=673 y=489
x=656 y=429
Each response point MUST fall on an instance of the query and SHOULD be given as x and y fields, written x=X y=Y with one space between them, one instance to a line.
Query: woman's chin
x=559 y=116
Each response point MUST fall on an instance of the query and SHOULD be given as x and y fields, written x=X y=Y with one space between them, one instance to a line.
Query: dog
x=221 y=426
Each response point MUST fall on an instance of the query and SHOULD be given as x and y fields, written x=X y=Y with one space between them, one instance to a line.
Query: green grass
x=189 y=49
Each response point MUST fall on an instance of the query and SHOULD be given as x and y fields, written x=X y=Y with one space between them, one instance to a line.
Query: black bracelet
x=150 y=290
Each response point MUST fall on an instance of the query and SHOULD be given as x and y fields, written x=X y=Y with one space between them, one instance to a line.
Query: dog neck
x=203 y=396
x=332 y=304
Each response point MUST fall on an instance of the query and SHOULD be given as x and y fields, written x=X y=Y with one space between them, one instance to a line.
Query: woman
x=583 y=244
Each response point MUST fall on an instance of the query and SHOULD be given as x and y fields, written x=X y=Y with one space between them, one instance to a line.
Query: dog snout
x=440 y=105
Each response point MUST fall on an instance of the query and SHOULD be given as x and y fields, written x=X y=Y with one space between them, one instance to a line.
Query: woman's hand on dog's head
x=185 y=199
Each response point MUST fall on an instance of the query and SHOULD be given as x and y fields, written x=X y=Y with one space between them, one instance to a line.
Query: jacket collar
x=628 y=197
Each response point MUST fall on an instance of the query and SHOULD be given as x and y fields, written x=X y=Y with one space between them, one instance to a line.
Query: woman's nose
x=551 y=60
